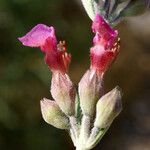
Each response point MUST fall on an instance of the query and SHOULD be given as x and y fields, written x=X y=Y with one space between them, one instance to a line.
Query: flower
x=106 y=45
x=56 y=57
x=44 y=37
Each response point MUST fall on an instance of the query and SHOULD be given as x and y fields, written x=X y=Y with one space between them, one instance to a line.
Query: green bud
x=108 y=107
x=53 y=115
x=64 y=92
x=90 y=89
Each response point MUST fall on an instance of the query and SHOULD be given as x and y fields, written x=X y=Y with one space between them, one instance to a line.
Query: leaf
x=91 y=7
x=134 y=8
x=127 y=8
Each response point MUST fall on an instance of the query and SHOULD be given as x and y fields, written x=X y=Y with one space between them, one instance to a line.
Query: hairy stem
x=85 y=128
x=80 y=148
x=84 y=133
x=74 y=127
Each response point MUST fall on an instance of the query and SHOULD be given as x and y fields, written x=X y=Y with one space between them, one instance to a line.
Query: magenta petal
x=101 y=58
x=103 y=30
x=38 y=35
x=97 y=23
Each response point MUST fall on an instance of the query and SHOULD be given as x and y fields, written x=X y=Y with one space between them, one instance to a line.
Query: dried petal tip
x=53 y=115
x=108 y=108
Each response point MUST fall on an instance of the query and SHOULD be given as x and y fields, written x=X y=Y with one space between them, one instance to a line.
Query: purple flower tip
x=38 y=35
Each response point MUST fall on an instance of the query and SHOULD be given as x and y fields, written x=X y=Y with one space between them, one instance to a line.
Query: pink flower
x=106 y=45
x=103 y=31
x=44 y=37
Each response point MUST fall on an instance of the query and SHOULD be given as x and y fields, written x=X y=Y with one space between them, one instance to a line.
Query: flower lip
x=38 y=35
x=44 y=37
x=103 y=30
x=100 y=25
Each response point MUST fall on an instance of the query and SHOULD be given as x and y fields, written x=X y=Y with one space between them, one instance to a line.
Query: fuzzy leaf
x=134 y=8
x=91 y=7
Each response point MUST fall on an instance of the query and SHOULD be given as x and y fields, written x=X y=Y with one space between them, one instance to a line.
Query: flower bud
x=53 y=115
x=63 y=91
x=108 y=107
x=90 y=89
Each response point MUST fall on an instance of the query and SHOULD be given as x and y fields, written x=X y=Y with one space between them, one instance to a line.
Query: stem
x=84 y=133
x=94 y=133
x=74 y=127
x=96 y=136
x=73 y=137
x=85 y=128
x=80 y=148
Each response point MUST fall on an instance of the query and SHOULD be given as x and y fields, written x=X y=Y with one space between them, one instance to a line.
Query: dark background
x=25 y=79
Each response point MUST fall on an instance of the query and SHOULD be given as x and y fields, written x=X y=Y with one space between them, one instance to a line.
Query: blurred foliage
x=25 y=79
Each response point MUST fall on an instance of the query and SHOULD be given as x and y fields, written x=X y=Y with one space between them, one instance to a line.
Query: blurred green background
x=25 y=79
